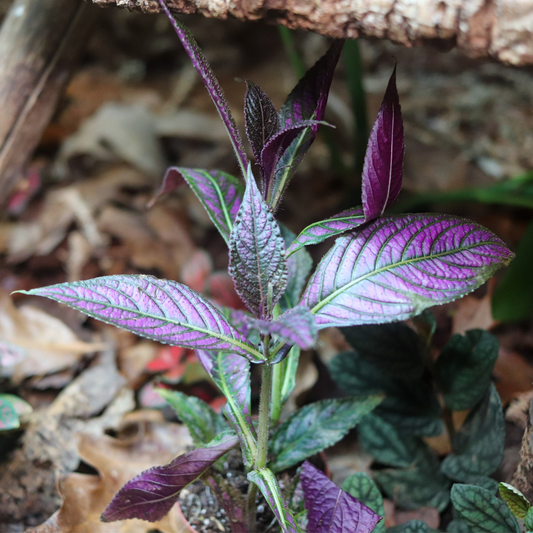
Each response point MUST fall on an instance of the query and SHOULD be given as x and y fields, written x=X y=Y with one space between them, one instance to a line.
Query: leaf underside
x=515 y=500
x=397 y=266
x=361 y=486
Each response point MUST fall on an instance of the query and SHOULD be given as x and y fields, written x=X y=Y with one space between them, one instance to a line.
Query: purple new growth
x=173 y=180
x=332 y=510
x=397 y=266
x=382 y=171
x=151 y=494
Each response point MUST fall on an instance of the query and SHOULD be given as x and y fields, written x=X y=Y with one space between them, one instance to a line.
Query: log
x=40 y=41
x=500 y=29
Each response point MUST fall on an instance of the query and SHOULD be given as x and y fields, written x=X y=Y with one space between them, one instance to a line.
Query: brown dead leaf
x=133 y=361
x=146 y=440
x=514 y=375
x=474 y=313
x=49 y=344
x=429 y=515
x=518 y=410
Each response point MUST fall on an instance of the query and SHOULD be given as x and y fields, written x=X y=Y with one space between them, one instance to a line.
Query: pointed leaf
x=478 y=445
x=257 y=253
x=201 y=420
x=464 y=367
x=395 y=348
x=413 y=526
x=299 y=265
x=8 y=414
x=231 y=374
x=232 y=500
x=320 y=231
x=398 y=266
x=220 y=194
x=382 y=171
x=289 y=369
x=159 y=309
x=514 y=499
x=265 y=480
x=260 y=118
x=315 y=427
x=361 y=486
x=411 y=406
x=151 y=494
x=203 y=68
x=528 y=521
x=330 y=509
x=173 y=180
x=482 y=512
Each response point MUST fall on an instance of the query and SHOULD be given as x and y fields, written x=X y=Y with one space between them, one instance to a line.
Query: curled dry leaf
x=48 y=343
x=117 y=461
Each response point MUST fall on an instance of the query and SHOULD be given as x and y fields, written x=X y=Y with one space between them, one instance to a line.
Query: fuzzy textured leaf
x=260 y=118
x=482 y=512
x=257 y=253
x=324 y=229
x=361 y=486
x=394 y=348
x=266 y=481
x=383 y=167
x=411 y=406
x=478 y=445
x=232 y=500
x=397 y=266
x=514 y=499
x=220 y=194
x=464 y=367
x=201 y=420
x=413 y=526
x=203 y=68
x=315 y=427
x=151 y=494
x=330 y=509
x=231 y=374
x=159 y=309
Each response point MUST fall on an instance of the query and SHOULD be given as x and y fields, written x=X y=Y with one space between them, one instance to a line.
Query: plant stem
x=251 y=509
x=277 y=384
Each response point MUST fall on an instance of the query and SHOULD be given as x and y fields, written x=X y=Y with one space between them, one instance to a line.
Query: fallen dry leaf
x=48 y=343
x=514 y=375
x=474 y=313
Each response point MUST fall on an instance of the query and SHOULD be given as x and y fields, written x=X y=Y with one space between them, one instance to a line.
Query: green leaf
x=528 y=521
x=513 y=296
x=478 y=445
x=413 y=526
x=361 y=486
x=381 y=440
x=464 y=367
x=457 y=526
x=317 y=426
x=425 y=325
x=202 y=422
x=410 y=405
x=482 y=512
x=8 y=414
x=515 y=500
x=394 y=348
x=420 y=485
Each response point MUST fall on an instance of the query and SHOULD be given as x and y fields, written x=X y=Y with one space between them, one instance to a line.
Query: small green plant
x=12 y=408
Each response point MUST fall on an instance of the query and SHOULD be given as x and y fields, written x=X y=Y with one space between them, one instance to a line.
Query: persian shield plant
x=380 y=269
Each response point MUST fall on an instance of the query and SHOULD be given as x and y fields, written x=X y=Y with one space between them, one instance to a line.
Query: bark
x=40 y=41
x=501 y=29
x=523 y=476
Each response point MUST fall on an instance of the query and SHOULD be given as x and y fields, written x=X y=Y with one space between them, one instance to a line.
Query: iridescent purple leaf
x=332 y=510
x=173 y=180
x=260 y=118
x=232 y=500
x=159 y=309
x=200 y=63
x=257 y=253
x=397 y=266
x=268 y=485
x=220 y=194
x=382 y=171
x=275 y=149
x=320 y=231
x=151 y=494
x=231 y=374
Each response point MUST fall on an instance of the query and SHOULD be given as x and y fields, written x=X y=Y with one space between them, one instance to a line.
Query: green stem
x=264 y=416
x=251 y=510
x=277 y=384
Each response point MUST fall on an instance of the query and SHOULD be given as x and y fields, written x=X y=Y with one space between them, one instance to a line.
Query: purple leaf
x=320 y=231
x=200 y=63
x=275 y=148
x=268 y=485
x=151 y=494
x=330 y=509
x=231 y=374
x=397 y=266
x=257 y=253
x=260 y=118
x=220 y=194
x=233 y=502
x=173 y=180
x=158 y=309
x=382 y=171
